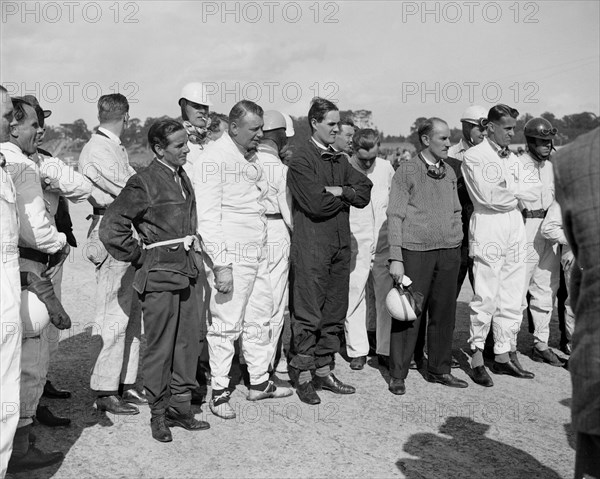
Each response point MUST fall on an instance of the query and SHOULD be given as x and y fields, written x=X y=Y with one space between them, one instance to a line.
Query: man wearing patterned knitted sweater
x=425 y=234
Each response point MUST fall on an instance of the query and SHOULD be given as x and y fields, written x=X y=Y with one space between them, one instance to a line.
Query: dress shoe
x=307 y=394
x=160 y=430
x=271 y=391
x=511 y=369
x=132 y=396
x=47 y=418
x=447 y=380
x=547 y=356
x=417 y=363
x=116 y=405
x=480 y=376
x=397 y=386
x=384 y=361
x=33 y=459
x=333 y=384
x=515 y=359
x=358 y=363
x=51 y=392
x=186 y=421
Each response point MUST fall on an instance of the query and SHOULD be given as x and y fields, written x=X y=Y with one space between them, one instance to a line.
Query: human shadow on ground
x=463 y=450
x=569 y=432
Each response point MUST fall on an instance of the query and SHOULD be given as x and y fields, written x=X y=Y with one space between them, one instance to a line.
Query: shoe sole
x=506 y=373
x=537 y=359
x=172 y=423
x=321 y=388
x=222 y=416
x=117 y=413
x=435 y=381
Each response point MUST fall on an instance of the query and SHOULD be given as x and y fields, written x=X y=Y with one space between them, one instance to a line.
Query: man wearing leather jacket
x=159 y=203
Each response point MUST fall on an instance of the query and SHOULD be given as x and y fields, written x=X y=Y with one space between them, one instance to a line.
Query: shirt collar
x=110 y=134
x=319 y=144
x=429 y=162
x=168 y=166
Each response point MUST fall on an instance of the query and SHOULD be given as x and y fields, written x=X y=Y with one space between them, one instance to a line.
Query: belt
x=33 y=255
x=274 y=216
x=99 y=211
x=187 y=241
x=534 y=213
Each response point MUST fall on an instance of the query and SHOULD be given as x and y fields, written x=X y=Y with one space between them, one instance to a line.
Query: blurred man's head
x=343 y=140
x=274 y=130
x=25 y=127
x=365 y=144
x=245 y=125
x=218 y=125
x=6 y=112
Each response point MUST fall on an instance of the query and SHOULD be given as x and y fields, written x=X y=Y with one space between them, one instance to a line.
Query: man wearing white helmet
x=279 y=219
x=370 y=252
x=473 y=122
x=195 y=106
x=542 y=257
x=231 y=189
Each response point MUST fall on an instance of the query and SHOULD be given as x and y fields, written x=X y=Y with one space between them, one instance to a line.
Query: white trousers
x=542 y=279
x=278 y=247
x=497 y=245
x=246 y=311
x=363 y=262
x=10 y=348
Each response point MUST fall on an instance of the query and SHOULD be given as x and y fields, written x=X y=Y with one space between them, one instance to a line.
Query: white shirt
x=230 y=199
x=105 y=163
x=278 y=199
x=36 y=226
x=60 y=179
x=538 y=178
x=369 y=224
x=493 y=182
x=458 y=151
x=196 y=151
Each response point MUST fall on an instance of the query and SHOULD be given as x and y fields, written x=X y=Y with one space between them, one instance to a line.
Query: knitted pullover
x=424 y=213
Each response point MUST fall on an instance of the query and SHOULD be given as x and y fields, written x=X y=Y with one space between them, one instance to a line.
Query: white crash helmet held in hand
x=403 y=303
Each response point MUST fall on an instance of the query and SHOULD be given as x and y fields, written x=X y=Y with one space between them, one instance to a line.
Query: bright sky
x=399 y=59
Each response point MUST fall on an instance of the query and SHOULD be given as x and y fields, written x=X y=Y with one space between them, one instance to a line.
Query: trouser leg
x=309 y=279
x=227 y=314
x=484 y=303
x=419 y=267
x=258 y=345
x=587 y=456
x=442 y=310
x=334 y=309
x=10 y=351
x=161 y=310
x=543 y=287
x=185 y=349
x=382 y=284
x=114 y=304
x=355 y=323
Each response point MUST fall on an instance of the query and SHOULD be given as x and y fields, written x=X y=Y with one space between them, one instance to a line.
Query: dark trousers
x=172 y=329
x=319 y=283
x=466 y=266
x=587 y=456
x=434 y=274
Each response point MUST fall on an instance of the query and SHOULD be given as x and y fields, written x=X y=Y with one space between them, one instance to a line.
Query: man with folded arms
x=425 y=234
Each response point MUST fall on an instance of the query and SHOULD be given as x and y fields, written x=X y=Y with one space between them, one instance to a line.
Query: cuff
x=348 y=194
x=396 y=253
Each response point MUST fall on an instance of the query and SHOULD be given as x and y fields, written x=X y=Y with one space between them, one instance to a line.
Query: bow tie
x=329 y=155
x=504 y=152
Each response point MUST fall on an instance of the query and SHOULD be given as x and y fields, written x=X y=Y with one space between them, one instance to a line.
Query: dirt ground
x=516 y=429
